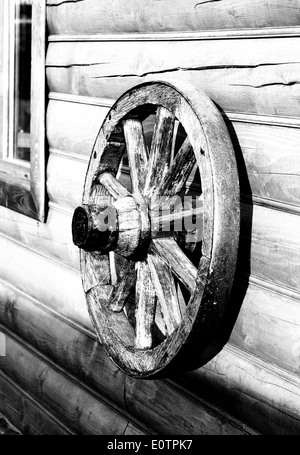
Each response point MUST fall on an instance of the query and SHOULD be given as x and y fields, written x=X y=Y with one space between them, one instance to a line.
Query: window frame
x=22 y=184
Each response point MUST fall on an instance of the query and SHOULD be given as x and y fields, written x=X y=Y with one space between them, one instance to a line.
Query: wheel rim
x=177 y=298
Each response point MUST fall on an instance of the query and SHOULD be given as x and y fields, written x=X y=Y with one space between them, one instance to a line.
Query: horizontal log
x=219 y=381
x=258 y=76
x=270 y=246
x=65 y=188
x=51 y=333
x=81 y=130
x=268 y=326
x=69 y=401
x=91 y=16
x=265 y=171
x=25 y=413
x=53 y=238
x=271 y=160
x=163 y=403
x=42 y=328
x=45 y=280
x=86 y=359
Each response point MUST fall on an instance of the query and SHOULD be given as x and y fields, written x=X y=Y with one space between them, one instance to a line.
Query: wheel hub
x=123 y=227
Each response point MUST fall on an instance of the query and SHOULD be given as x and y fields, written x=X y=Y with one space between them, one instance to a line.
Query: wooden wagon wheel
x=158 y=253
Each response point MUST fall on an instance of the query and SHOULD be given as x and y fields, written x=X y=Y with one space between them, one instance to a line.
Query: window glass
x=22 y=79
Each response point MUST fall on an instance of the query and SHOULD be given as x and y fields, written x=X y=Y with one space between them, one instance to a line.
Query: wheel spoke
x=179 y=171
x=145 y=307
x=95 y=269
x=165 y=289
x=123 y=287
x=113 y=186
x=160 y=152
x=174 y=257
x=137 y=154
x=178 y=221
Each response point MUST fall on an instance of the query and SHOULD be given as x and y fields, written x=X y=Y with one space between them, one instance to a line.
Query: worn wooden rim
x=215 y=158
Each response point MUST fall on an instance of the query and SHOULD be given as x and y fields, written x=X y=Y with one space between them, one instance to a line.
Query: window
x=22 y=107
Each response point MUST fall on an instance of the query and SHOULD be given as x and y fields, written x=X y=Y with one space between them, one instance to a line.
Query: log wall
x=244 y=55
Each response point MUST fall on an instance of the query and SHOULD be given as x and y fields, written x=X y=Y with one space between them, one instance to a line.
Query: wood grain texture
x=275 y=246
x=65 y=188
x=54 y=284
x=51 y=332
x=137 y=153
x=220 y=382
x=178 y=172
x=145 y=306
x=268 y=326
x=171 y=254
x=270 y=331
x=162 y=402
x=72 y=127
x=165 y=288
x=270 y=173
x=161 y=148
x=258 y=76
x=52 y=239
x=26 y=413
x=86 y=359
x=272 y=160
x=38 y=106
x=54 y=389
x=190 y=15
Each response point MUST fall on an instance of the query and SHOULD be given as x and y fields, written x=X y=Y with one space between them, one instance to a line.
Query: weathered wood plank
x=169 y=251
x=170 y=15
x=272 y=160
x=161 y=403
x=164 y=285
x=270 y=173
x=268 y=326
x=258 y=76
x=275 y=246
x=219 y=381
x=123 y=287
x=55 y=389
x=25 y=413
x=137 y=153
x=178 y=172
x=145 y=306
x=113 y=186
x=160 y=151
